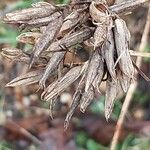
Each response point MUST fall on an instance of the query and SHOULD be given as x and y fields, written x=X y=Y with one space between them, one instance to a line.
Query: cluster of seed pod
x=56 y=31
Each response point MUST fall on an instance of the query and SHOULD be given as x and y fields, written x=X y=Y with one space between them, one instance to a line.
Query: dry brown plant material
x=59 y=30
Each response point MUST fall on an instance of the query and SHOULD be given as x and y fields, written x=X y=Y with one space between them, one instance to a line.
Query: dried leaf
x=26 y=79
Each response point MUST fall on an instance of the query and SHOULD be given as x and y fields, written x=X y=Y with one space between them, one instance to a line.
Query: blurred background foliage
x=140 y=107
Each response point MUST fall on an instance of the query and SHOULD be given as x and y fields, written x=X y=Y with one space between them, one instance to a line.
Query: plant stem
x=133 y=86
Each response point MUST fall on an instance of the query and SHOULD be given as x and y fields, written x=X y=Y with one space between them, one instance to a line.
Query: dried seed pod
x=26 y=79
x=100 y=35
x=86 y=99
x=43 y=4
x=29 y=13
x=46 y=39
x=75 y=103
x=70 y=40
x=15 y=54
x=122 y=45
x=92 y=70
x=100 y=73
x=71 y=21
x=29 y=37
x=110 y=2
x=111 y=94
x=39 y=22
x=51 y=66
x=108 y=51
x=125 y=81
x=98 y=12
x=61 y=84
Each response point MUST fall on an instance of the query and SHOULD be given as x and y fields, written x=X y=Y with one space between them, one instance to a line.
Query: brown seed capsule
x=71 y=21
x=92 y=70
x=39 y=22
x=100 y=35
x=29 y=13
x=111 y=94
x=46 y=39
x=98 y=12
x=108 y=51
x=15 y=54
x=75 y=103
x=100 y=73
x=122 y=45
x=124 y=80
x=51 y=66
x=61 y=84
x=26 y=79
x=70 y=40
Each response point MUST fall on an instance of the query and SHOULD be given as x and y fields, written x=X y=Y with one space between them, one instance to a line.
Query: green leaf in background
x=8 y=34
x=81 y=139
x=5 y=145
x=92 y=145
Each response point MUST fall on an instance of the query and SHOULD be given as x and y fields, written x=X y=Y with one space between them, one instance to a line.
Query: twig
x=139 y=54
x=26 y=133
x=132 y=88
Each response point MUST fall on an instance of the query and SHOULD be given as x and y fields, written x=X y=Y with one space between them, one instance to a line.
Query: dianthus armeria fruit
x=56 y=31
